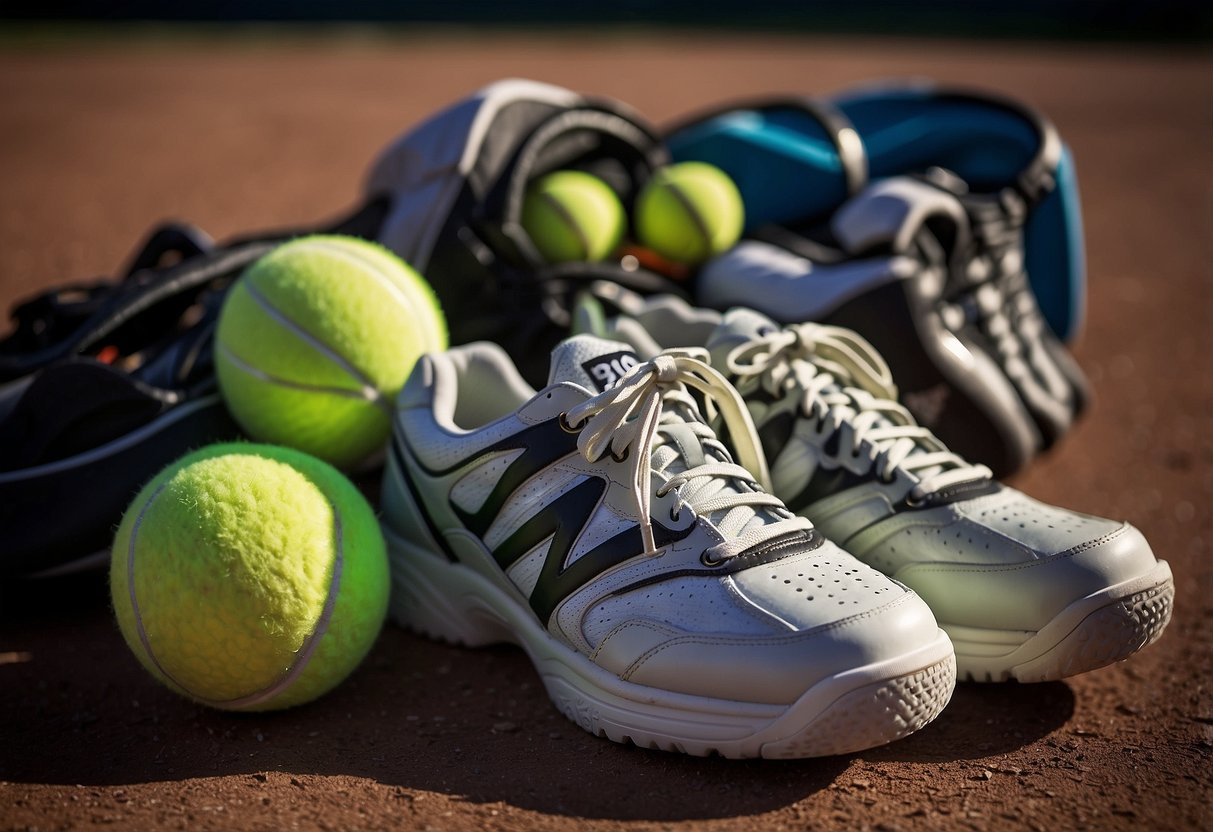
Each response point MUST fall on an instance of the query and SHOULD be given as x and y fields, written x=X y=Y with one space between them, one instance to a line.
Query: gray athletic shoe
x=1026 y=591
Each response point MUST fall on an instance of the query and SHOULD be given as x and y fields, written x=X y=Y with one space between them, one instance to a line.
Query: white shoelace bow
x=848 y=388
x=626 y=421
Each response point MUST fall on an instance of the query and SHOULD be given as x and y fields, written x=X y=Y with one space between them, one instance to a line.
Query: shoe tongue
x=739 y=326
x=679 y=449
x=596 y=364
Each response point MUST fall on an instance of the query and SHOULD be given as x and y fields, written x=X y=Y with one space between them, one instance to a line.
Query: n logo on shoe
x=563 y=519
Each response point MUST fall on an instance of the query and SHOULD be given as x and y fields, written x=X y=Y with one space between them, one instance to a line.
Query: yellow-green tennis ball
x=249 y=577
x=689 y=212
x=316 y=339
x=571 y=215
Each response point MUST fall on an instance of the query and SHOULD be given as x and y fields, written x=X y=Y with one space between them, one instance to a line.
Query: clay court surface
x=98 y=139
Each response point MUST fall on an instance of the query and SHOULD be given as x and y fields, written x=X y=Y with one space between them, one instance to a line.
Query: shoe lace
x=641 y=418
x=847 y=387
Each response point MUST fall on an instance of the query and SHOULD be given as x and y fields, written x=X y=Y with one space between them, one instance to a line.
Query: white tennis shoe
x=664 y=596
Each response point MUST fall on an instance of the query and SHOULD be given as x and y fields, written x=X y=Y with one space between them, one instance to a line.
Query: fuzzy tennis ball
x=315 y=340
x=571 y=215
x=249 y=577
x=689 y=212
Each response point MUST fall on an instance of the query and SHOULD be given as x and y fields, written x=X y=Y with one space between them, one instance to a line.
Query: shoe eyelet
x=915 y=502
x=617 y=457
x=566 y=427
x=675 y=513
x=709 y=562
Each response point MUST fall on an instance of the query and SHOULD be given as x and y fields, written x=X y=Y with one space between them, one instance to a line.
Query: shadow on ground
x=418 y=715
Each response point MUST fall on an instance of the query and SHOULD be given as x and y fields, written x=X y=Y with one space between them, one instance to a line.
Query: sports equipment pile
x=718 y=443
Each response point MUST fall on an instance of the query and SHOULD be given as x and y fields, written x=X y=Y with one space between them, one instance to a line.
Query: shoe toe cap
x=1027 y=594
x=777 y=668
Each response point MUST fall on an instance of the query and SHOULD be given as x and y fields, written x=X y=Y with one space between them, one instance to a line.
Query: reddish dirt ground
x=97 y=141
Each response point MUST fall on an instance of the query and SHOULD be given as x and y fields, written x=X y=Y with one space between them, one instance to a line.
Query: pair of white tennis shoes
x=641 y=528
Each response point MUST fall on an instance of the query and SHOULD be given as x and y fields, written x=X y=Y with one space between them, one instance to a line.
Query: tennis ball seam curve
x=368 y=395
x=570 y=222
x=380 y=275
x=306 y=650
x=372 y=391
x=697 y=219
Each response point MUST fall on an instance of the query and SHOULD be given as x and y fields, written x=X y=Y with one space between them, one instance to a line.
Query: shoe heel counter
x=401 y=512
x=432 y=593
x=400 y=503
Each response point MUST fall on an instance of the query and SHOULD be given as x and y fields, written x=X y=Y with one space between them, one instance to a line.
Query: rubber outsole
x=848 y=712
